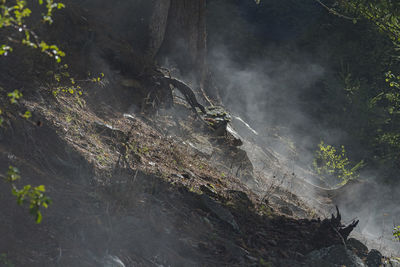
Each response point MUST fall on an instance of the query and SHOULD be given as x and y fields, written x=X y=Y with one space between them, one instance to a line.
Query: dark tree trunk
x=184 y=43
x=177 y=38
x=172 y=31
x=157 y=26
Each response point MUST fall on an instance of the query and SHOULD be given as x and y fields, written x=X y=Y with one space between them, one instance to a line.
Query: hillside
x=141 y=176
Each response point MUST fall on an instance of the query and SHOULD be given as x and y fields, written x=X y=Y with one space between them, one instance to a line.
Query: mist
x=268 y=79
x=270 y=90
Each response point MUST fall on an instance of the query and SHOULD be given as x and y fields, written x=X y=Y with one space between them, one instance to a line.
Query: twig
x=134 y=177
x=334 y=12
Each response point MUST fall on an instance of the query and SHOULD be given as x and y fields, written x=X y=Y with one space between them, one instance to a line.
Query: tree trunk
x=172 y=31
x=184 y=43
x=157 y=26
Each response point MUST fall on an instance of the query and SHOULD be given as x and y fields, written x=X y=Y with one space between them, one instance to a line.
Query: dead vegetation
x=152 y=187
x=142 y=183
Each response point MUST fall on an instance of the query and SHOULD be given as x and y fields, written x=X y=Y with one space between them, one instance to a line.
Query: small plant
x=396 y=233
x=35 y=196
x=66 y=84
x=329 y=161
x=14 y=96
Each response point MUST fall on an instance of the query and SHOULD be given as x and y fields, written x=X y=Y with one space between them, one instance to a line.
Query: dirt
x=130 y=187
x=136 y=183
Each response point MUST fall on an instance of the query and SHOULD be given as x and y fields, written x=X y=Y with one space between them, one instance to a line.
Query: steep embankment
x=146 y=186
x=143 y=190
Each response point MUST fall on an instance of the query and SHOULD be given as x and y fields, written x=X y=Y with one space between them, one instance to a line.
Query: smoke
x=269 y=89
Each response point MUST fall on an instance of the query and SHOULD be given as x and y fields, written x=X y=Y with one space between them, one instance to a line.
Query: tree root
x=332 y=231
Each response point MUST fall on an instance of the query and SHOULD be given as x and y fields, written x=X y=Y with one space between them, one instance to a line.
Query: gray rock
x=201 y=145
x=336 y=255
x=357 y=247
x=222 y=213
x=374 y=258
x=107 y=130
x=393 y=263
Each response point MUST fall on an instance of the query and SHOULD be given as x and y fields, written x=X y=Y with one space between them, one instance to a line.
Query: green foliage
x=396 y=233
x=12 y=175
x=392 y=94
x=4 y=49
x=14 y=96
x=68 y=85
x=362 y=98
x=386 y=105
x=34 y=196
x=13 y=15
x=385 y=14
x=330 y=162
x=27 y=115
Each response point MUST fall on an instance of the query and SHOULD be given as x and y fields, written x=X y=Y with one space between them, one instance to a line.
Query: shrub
x=329 y=162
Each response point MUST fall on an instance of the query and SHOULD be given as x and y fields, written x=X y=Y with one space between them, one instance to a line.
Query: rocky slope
x=136 y=181
x=159 y=189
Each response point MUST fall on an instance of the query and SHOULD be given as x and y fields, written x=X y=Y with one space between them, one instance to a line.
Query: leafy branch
x=33 y=196
x=328 y=161
x=13 y=17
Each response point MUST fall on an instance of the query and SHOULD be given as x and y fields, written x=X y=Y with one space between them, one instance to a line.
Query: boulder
x=374 y=258
x=336 y=255
x=357 y=247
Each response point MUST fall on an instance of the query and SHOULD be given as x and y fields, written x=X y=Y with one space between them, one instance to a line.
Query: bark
x=185 y=38
x=157 y=26
x=156 y=30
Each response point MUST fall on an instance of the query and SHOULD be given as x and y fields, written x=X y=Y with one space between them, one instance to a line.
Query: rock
x=286 y=210
x=209 y=190
x=108 y=130
x=237 y=140
x=393 y=262
x=179 y=175
x=357 y=247
x=374 y=258
x=217 y=117
x=333 y=256
x=188 y=174
x=241 y=199
x=201 y=145
x=222 y=213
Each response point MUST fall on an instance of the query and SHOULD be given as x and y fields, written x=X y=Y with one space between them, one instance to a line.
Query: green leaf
x=14 y=96
x=39 y=217
x=41 y=188
x=27 y=114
